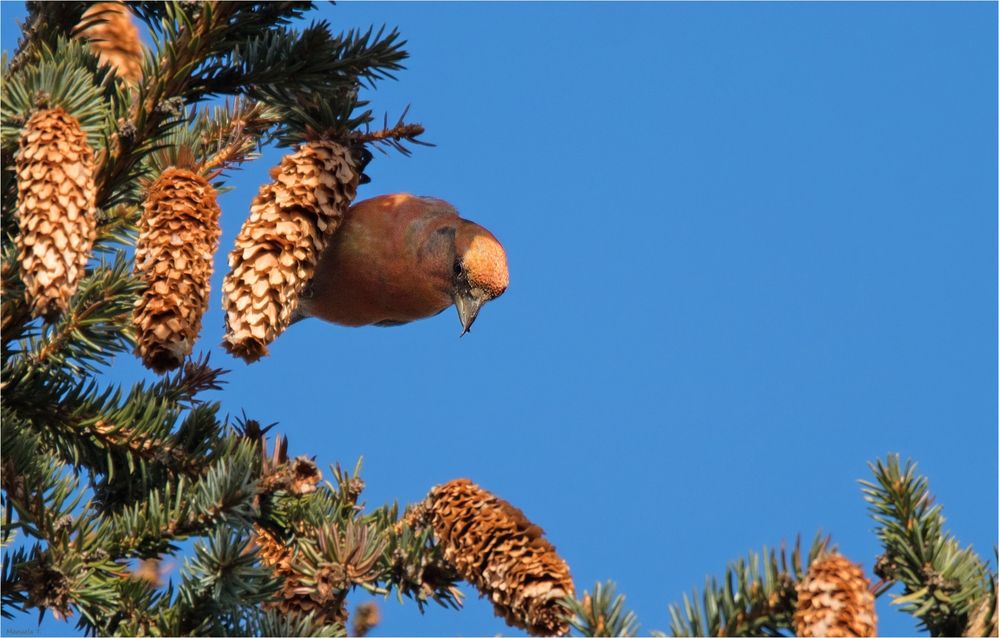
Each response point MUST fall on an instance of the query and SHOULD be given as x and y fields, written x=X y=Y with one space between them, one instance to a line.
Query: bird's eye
x=457 y=267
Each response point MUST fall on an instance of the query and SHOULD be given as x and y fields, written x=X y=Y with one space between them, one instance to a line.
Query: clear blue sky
x=752 y=247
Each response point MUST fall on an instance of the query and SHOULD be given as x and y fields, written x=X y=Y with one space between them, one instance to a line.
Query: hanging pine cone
x=115 y=38
x=493 y=546
x=276 y=251
x=178 y=234
x=55 y=208
x=834 y=599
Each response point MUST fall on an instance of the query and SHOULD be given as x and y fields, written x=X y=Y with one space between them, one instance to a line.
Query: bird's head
x=480 y=272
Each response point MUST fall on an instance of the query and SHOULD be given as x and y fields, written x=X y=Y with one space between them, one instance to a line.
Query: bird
x=399 y=258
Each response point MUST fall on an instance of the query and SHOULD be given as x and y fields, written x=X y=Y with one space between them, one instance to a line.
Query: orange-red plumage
x=398 y=258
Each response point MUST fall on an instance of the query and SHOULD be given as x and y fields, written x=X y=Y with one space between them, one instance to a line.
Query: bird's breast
x=378 y=270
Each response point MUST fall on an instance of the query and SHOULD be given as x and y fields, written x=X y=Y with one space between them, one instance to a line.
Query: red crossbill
x=398 y=258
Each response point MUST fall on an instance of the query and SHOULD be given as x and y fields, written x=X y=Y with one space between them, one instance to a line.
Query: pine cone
x=178 y=234
x=366 y=618
x=149 y=572
x=834 y=599
x=55 y=208
x=273 y=552
x=493 y=546
x=327 y=603
x=48 y=588
x=982 y=620
x=116 y=39
x=276 y=251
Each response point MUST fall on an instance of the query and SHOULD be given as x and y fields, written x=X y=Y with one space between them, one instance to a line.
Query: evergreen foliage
x=942 y=582
x=950 y=589
x=602 y=613
x=96 y=477
x=756 y=596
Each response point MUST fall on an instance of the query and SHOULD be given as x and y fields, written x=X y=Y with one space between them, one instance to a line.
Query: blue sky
x=752 y=247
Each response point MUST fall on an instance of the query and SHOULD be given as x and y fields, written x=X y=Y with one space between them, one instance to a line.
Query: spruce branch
x=114 y=435
x=329 y=563
x=45 y=24
x=311 y=61
x=755 y=597
x=67 y=74
x=393 y=136
x=231 y=135
x=274 y=622
x=45 y=498
x=354 y=548
x=942 y=582
x=14 y=312
x=184 y=43
x=13 y=596
x=136 y=613
x=220 y=48
x=8 y=192
x=61 y=579
x=376 y=551
x=398 y=132
x=222 y=495
x=214 y=139
x=90 y=333
x=185 y=39
x=602 y=614
x=245 y=19
x=155 y=460
x=323 y=104
x=183 y=386
x=413 y=565
x=221 y=580
x=117 y=225
x=189 y=450
x=37 y=486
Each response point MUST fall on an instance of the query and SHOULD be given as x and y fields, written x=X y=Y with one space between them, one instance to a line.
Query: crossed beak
x=468 y=309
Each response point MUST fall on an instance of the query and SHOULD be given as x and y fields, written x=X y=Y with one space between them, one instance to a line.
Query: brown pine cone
x=835 y=599
x=505 y=556
x=55 y=209
x=276 y=251
x=115 y=38
x=178 y=234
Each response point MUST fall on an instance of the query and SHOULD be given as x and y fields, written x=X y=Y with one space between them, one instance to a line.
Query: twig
x=73 y=322
x=398 y=132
